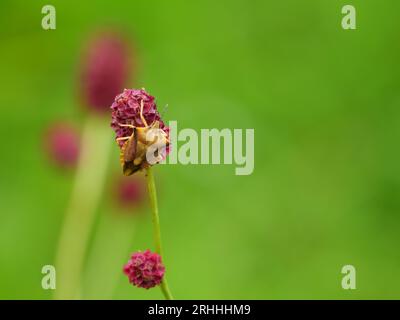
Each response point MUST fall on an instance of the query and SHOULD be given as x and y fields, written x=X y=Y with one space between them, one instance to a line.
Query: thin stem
x=165 y=289
x=88 y=186
x=156 y=227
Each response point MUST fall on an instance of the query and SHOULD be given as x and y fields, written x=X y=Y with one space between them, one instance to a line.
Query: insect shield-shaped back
x=128 y=155
x=144 y=148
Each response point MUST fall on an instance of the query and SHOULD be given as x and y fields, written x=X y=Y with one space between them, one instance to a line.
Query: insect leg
x=122 y=138
x=141 y=114
x=126 y=125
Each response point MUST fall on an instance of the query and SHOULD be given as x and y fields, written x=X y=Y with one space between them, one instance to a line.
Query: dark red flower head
x=62 y=144
x=145 y=269
x=105 y=70
x=126 y=110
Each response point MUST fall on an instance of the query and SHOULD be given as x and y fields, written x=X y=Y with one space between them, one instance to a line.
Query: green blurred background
x=325 y=106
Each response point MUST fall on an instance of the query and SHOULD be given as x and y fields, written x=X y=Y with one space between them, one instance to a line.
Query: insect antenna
x=164 y=110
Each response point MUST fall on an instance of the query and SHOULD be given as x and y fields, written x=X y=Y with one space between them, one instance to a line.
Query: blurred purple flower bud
x=105 y=70
x=130 y=192
x=62 y=144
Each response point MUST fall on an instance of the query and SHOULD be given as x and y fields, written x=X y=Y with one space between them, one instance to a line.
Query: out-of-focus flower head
x=126 y=110
x=105 y=69
x=145 y=269
x=62 y=144
x=130 y=192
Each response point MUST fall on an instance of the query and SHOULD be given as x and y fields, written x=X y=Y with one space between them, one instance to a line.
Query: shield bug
x=142 y=147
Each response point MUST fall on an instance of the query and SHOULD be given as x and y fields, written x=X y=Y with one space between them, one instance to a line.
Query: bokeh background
x=325 y=106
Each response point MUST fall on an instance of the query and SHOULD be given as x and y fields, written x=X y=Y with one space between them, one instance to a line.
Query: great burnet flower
x=62 y=144
x=104 y=70
x=145 y=269
x=126 y=110
x=134 y=114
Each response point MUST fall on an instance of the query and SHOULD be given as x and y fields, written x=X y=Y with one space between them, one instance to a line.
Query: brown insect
x=134 y=152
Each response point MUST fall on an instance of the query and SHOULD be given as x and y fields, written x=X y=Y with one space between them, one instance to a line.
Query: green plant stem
x=156 y=227
x=86 y=194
